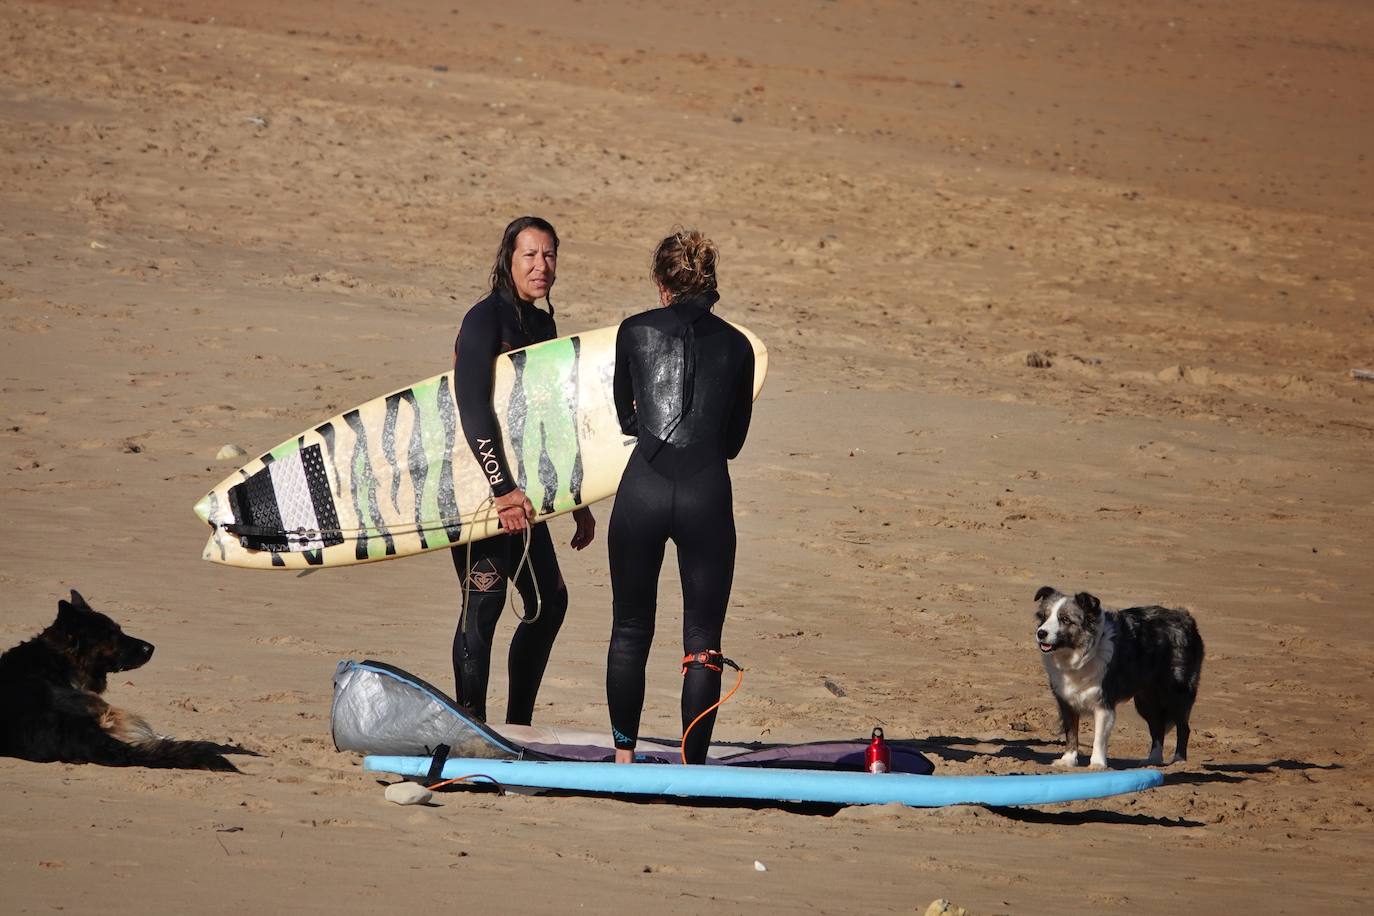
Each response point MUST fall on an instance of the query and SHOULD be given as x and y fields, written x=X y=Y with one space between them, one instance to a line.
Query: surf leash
x=482 y=514
x=433 y=779
x=487 y=505
x=305 y=535
x=467 y=781
x=708 y=659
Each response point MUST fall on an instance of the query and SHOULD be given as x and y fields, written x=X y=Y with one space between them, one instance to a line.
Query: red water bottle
x=877 y=757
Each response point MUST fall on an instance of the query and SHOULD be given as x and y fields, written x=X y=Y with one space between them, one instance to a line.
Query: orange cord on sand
x=739 y=679
x=449 y=782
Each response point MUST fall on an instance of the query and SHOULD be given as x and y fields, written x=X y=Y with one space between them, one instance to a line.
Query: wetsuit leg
x=483 y=588
x=704 y=532
x=636 y=539
x=541 y=586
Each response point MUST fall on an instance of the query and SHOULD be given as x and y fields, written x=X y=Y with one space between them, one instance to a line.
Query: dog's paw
x=1070 y=759
x=1098 y=763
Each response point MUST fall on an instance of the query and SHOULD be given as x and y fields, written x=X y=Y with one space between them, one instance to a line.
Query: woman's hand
x=515 y=510
x=586 y=528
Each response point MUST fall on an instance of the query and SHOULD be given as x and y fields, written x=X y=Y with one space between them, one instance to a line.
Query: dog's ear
x=1088 y=603
x=1044 y=592
x=67 y=610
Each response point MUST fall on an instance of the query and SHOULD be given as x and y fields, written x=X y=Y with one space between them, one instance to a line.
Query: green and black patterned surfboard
x=394 y=476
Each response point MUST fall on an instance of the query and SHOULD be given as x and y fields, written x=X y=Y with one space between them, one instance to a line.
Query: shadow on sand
x=961 y=749
x=1096 y=816
x=1241 y=772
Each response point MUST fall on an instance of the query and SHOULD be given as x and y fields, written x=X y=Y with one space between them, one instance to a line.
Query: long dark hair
x=501 y=279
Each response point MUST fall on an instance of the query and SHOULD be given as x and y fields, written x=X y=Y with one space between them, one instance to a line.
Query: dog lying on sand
x=52 y=709
x=1097 y=658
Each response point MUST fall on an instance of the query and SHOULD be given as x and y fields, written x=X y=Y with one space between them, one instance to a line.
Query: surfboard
x=394 y=476
x=779 y=784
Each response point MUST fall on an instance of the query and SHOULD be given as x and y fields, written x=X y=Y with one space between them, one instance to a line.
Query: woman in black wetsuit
x=684 y=384
x=507 y=319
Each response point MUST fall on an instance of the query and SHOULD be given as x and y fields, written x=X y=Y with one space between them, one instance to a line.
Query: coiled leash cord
x=305 y=535
x=708 y=659
x=488 y=504
x=482 y=514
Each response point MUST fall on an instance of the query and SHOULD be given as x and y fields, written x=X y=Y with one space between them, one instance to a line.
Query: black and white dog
x=1096 y=659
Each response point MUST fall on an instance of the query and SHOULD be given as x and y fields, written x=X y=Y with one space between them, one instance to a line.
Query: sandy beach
x=1055 y=293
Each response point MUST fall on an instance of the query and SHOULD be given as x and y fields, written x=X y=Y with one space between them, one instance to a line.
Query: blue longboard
x=775 y=784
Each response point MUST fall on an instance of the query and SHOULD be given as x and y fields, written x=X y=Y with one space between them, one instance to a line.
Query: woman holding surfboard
x=684 y=388
x=507 y=319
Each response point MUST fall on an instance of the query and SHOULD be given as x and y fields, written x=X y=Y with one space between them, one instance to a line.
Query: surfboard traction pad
x=285 y=497
x=381 y=710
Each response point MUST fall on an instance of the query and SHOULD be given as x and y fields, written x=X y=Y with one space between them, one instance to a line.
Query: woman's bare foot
x=624 y=756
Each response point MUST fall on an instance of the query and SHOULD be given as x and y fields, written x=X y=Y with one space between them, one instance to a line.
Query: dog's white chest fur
x=1078 y=680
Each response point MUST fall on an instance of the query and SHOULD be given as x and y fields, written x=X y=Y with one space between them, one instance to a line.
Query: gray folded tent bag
x=380 y=709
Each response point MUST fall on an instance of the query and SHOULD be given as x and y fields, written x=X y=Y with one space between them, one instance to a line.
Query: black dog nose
x=146 y=650
x=1040 y=635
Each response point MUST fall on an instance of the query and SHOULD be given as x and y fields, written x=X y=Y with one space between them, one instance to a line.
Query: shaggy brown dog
x=52 y=708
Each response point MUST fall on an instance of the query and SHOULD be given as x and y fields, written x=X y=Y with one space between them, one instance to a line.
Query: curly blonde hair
x=685 y=264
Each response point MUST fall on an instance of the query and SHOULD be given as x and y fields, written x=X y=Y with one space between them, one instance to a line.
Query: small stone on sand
x=407 y=793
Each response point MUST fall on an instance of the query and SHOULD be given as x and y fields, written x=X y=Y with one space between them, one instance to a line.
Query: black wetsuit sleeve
x=474 y=357
x=738 y=427
x=623 y=385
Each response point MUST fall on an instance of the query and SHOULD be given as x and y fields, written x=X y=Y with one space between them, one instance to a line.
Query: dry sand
x=217 y=226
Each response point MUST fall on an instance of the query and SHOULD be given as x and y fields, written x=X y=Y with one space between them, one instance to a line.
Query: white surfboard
x=395 y=477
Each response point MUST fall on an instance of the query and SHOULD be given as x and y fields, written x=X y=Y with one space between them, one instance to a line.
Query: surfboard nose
x=202 y=509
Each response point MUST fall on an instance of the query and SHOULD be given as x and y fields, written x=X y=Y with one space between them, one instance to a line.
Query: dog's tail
x=147 y=748
x=188 y=755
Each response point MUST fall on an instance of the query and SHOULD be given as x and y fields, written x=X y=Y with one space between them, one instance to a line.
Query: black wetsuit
x=491 y=327
x=684 y=384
